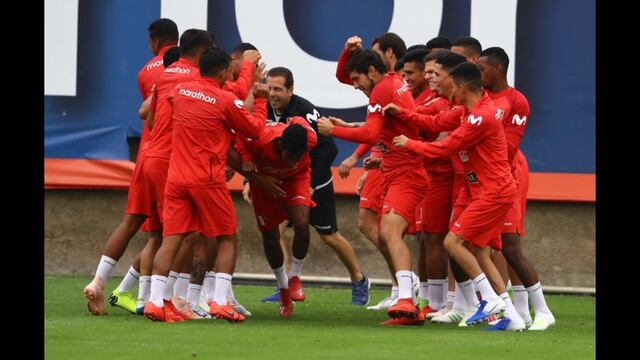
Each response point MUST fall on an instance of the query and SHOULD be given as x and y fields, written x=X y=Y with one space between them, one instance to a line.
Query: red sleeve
x=341 y=70
x=362 y=149
x=515 y=126
x=243 y=149
x=465 y=136
x=260 y=108
x=443 y=121
x=241 y=86
x=154 y=99
x=242 y=121
x=374 y=122
x=141 y=87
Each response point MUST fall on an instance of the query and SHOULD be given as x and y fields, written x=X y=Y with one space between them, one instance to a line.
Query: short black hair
x=164 y=30
x=242 y=47
x=415 y=56
x=294 y=140
x=361 y=61
x=172 y=55
x=285 y=73
x=212 y=60
x=417 y=47
x=449 y=60
x=439 y=42
x=469 y=43
x=193 y=39
x=393 y=41
x=497 y=55
x=468 y=75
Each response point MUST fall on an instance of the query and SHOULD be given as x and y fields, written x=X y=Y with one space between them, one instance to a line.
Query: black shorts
x=323 y=215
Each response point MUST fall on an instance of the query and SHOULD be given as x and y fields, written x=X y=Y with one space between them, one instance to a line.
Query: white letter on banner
x=60 y=47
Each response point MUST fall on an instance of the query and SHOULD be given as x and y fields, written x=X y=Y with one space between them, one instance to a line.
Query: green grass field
x=326 y=326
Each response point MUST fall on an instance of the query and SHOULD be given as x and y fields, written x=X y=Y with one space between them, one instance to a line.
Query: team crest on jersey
x=238 y=103
x=374 y=108
x=517 y=120
x=499 y=114
x=464 y=155
x=381 y=147
x=474 y=120
x=314 y=116
x=472 y=178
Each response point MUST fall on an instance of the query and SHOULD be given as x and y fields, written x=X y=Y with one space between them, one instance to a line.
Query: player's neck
x=472 y=99
x=500 y=85
x=418 y=91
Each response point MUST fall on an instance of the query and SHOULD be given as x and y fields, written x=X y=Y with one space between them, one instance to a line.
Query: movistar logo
x=373 y=108
x=519 y=120
x=474 y=120
x=314 y=116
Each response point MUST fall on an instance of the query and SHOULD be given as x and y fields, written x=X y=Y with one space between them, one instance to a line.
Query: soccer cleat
x=275 y=297
x=360 y=292
x=286 y=305
x=528 y=321
x=426 y=310
x=196 y=313
x=161 y=314
x=422 y=303
x=140 y=306
x=419 y=320
x=542 y=321
x=404 y=308
x=239 y=308
x=94 y=292
x=124 y=300
x=506 y=324
x=469 y=313
x=295 y=289
x=453 y=316
x=485 y=309
x=224 y=312
x=440 y=312
x=203 y=305
x=183 y=312
x=383 y=304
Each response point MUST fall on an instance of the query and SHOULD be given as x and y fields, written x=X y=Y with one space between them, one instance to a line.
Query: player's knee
x=330 y=239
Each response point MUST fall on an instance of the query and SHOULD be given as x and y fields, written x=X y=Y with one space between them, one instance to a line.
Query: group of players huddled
x=443 y=127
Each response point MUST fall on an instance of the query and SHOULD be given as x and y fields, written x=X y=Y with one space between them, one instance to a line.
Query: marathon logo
x=177 y=70
x=197 y=95
x=154 y=65
x=472 y=178
x=403 y=89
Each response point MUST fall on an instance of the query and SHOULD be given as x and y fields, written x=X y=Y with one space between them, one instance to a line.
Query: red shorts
x=140 y=196
x=155 y=172
x=480 y=223
x=153 y=223
x=371 y=194
x=434 y=212
x=521 y=174
x=404 y=190
x=513 y=221
x=270 y=211
x=208 y=210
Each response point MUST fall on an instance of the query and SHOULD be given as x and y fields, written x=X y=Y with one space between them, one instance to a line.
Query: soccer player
x=468 y=47
x=482 y=147
x=283 y=104
x=196 y=195
x=163 y=34
x=282 y=151
x=405 y=177
x=439 y=42
x=493 y=63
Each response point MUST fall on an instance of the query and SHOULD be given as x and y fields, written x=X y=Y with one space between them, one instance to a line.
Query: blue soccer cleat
x=275 y=297
x=360 y=291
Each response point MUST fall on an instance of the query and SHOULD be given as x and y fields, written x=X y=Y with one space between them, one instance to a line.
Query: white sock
x=105 y=266
x=223 y=282
x=281 y=277
x=445 y=291
x=394 y=292
x=193 y=294
x=168 y=288
x=468 y=291
x=405 y=284
x=521 y=300
x=537 y=299
x=181 y=286
x=424 y=291
x=436 y=290
x=483 y=285
x=144 y=288
x=451 y=296
x=209 y=285
x=509 y=310
x=230 y=295
x=158 y=283
x=296 y=267
x=131 y=278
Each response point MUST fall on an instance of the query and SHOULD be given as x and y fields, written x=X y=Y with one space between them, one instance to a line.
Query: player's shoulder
x=519 y=98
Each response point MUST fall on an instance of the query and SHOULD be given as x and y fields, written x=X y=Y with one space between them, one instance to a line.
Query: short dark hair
x=294 y=140
x=393 y=41
x=212 y=60
x=439 y=42
x=497 y=55
x=242 y=47
x=468 y=75
x=164 y=30
x=285 y=73
x=449 y=60
x=417 y=47
x=361 y=61
x=415 y=56
x=469 y=43
x=193 y=39
x=172 y=55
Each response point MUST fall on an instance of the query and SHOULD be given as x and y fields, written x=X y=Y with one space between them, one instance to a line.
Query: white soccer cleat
x=452 y=316
x=383 y=304
x=446 y=309
x=542 y=321
x=239 y=308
